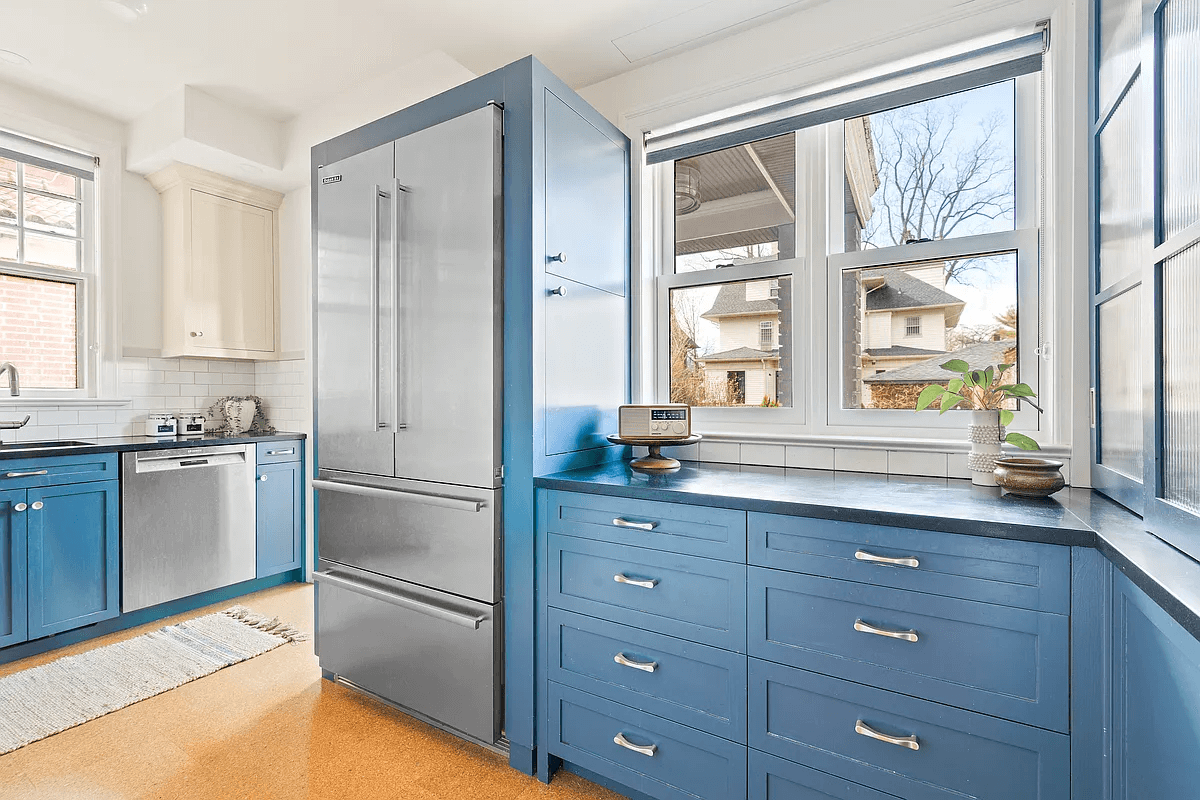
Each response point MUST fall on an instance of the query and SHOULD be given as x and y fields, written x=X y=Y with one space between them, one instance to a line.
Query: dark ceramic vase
x=1029 y=477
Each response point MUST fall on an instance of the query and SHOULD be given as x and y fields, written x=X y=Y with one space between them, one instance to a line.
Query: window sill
x=9 y=403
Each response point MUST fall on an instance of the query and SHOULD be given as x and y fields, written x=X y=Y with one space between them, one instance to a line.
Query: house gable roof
x=731 y=301
x=978 y=356
x=901 y=290
x=740 y=354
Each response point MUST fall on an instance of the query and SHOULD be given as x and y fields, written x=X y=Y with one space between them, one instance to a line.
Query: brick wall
x=37 y=331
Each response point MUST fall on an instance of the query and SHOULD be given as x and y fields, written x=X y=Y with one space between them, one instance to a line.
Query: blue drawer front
x=28 y=473
x=693 y=530
x=693 y=684
x=1005 y=572
x=692 y=598
x=1008 y=662
x=277 y=452
x=811 y=719
x=686 y=763
x=772 y=778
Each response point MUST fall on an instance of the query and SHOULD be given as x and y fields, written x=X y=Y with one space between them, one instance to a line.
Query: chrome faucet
x=14 y=377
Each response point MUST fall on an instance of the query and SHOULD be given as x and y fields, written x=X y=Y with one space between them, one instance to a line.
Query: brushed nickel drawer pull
x=648 y=750
x=863 y=729
x=288 y=452
x=865 y=627
x=621 y=577
x=906 y=561
x=644 y=666
x=641 y=526
x=33 y=474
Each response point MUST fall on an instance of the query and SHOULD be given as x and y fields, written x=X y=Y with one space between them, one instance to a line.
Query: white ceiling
x=280 y=57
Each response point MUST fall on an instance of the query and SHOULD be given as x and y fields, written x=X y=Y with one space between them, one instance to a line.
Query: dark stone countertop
x=1073 y=517
x=123 y=444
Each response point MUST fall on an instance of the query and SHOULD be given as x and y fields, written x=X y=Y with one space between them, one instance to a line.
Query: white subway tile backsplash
x=47 y=418
x=910 y=462
x=809 y=457
x=860 y=459
x=164 y=364
x=769 y=455
x=179 y=377
x=720 y=452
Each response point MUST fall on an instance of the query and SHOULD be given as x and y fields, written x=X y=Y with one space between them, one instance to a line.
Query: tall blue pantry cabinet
x=566 y=310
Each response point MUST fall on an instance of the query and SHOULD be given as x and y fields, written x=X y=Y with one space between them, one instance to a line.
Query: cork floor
x=266 y=728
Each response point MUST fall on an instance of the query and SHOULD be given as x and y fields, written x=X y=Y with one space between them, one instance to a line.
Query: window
x=919 y=218
x=45 y=265
x=766 y=336
x=1146 y=267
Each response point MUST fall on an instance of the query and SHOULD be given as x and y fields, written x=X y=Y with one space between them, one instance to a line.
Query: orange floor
x=266 y=728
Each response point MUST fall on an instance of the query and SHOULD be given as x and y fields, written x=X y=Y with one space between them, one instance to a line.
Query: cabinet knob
x=20 y=507
x=197 y=333
x=560 y=257
x=38 y=505
x=561 y=291
x=262 y=477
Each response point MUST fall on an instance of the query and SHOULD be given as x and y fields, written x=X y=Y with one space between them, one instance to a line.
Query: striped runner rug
x=41 y=701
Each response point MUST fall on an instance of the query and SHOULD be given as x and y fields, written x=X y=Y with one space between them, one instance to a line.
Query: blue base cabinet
x=73 y=556
x=60 y=538
x=1155 y=700
x=13 y=542
x=696 y=652
x=279 y=508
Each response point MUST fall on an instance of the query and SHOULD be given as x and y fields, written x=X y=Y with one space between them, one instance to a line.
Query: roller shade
x=47 y=156
x=974 y=67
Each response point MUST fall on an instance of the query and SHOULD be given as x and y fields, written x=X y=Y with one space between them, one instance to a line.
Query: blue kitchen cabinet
x=1155 y=700
x=12 y=567
x=73 y=555
x=280 y=523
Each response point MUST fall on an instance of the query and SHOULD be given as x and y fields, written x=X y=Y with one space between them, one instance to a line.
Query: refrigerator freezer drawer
x=426 y=651
x=430 y=534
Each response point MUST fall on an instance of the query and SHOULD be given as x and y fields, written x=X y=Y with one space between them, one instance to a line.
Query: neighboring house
x=747 y=357
x=899 y=388
x=904 y=314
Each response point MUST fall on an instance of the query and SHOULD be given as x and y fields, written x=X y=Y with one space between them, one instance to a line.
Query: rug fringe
x=262 y=622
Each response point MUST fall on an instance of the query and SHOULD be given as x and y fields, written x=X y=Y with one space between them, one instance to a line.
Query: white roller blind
x=978 y=64
x=41 y=154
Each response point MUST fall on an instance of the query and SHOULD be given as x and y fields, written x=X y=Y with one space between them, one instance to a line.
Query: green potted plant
x=985 y=393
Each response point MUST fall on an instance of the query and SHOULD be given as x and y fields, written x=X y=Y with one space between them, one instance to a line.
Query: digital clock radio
x=672 y=421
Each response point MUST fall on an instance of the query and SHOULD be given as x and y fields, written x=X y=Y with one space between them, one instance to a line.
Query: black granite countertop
x=1074 y=517
x=122 y=444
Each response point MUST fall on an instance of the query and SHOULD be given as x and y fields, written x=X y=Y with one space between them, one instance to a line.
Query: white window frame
x=86 y=351
x=768 y=328
x=816 y=297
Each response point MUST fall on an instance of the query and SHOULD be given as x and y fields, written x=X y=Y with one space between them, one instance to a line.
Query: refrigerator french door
x=408 y=422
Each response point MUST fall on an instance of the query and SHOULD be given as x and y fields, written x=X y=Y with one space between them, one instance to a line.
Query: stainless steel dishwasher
x=187 y=522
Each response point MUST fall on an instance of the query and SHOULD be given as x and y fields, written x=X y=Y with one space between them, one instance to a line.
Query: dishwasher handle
x=441 y=500
x=173 y=463
x=466 y=620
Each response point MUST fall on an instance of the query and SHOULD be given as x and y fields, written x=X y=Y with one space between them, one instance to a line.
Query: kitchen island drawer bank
x=970 y=651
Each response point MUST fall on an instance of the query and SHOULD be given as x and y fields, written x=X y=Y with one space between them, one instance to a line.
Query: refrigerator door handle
x=441 y=500
x=399 y=330
x=375 y=308
x=472 y=621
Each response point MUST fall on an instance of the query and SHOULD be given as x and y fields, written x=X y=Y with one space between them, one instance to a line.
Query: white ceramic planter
x=985 y=433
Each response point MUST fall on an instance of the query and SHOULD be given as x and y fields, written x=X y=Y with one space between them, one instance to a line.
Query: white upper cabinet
x=220 y=265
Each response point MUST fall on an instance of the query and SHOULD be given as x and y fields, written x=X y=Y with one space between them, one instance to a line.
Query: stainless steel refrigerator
x=408 y=422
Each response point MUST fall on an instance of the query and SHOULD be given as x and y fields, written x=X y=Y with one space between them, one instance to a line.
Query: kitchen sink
x=36 y=446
